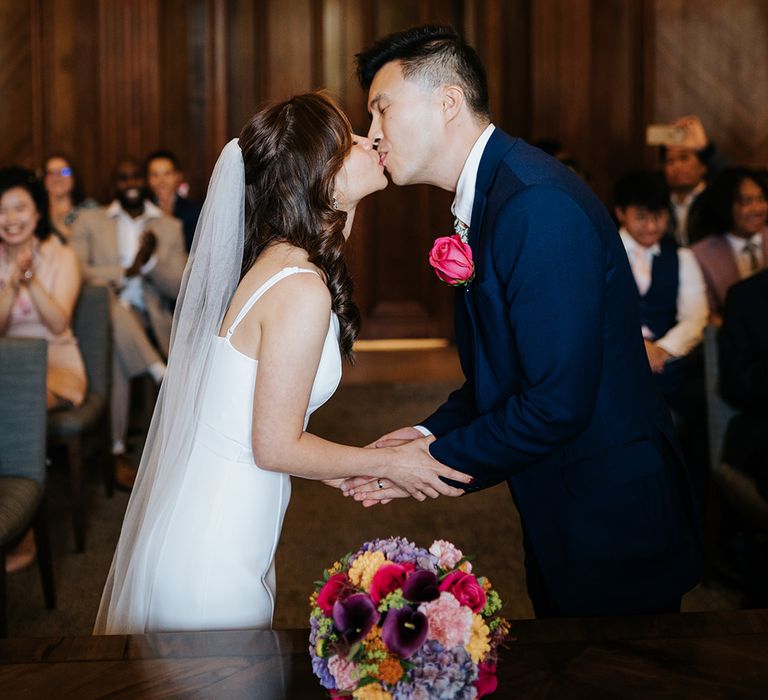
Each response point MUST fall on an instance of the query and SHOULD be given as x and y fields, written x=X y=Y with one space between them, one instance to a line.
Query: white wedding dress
x=216 y=566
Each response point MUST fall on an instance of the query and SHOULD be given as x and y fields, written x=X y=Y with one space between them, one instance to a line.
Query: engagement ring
x=379 y=484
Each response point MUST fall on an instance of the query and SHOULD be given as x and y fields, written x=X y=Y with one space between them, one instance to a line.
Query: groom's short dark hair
x=434 y=54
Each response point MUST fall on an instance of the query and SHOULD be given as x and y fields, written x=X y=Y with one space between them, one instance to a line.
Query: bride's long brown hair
x=292 y=152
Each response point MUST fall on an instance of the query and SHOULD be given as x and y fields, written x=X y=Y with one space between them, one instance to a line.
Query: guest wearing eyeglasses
x=66 y=198
x=138 y=251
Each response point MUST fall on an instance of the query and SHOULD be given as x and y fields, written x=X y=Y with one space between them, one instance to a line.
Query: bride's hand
x=415 y=471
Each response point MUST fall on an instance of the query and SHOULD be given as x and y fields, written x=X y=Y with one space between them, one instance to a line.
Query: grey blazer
x=94 y=239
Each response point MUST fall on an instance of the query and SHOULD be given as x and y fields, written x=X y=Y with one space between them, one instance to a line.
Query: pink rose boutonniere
x=452 y=259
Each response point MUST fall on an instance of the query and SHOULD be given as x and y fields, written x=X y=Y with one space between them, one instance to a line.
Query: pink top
x=66 y=371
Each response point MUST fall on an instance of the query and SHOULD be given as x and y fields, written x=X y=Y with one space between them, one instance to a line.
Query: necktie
x=642 y=270
x=750 y=250
x=462 y=229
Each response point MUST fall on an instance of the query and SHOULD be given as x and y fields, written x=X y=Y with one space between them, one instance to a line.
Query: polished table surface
x=694 y=655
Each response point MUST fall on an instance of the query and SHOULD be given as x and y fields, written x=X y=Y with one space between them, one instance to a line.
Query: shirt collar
x=151 y=210
x=632 y=246
x=738 y=243
x=686 y=201
x=465 y=188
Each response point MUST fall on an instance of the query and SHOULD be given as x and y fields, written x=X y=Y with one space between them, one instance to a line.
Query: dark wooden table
x=696 y=655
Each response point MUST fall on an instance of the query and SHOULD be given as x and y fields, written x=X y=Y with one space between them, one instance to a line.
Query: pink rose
x=331 y=591
x=389 y=578
x=486 y=682
x=452 y=260
x=465 y=589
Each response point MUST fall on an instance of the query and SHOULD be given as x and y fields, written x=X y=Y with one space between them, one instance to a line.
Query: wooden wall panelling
x=396 y=289
x=499 y=32
x=69 y=73
x=616 y=122
x=18 y=117
x=711 y=58
x=129 y=80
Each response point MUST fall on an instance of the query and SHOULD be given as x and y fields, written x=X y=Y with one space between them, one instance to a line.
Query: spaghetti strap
x=266 y=286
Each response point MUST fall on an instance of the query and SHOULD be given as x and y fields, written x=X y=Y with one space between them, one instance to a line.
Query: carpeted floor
x=321 y=525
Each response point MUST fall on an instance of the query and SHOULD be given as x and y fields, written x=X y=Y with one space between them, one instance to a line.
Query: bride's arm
x=293 y=324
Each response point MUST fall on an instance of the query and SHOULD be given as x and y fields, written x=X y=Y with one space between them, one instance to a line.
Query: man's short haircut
x=641 y=188
x=434 y=55
x=161 y=154
x=663 y=155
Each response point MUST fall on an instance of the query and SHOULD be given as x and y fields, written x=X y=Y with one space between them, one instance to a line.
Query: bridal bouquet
x=396 y=621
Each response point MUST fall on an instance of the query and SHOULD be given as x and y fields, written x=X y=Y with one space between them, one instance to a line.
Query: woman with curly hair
x=264 y=317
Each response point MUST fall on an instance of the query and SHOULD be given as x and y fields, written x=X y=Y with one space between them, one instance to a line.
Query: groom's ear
x=452 y=101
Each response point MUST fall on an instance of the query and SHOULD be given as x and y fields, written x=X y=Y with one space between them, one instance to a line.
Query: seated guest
x=164 y=179
x=743 y=359
x=687 y=165
x=673 y=307
x=40 y=282
x=65 y=193
x=138 y=251
x=743 y=355
x=39 y=285
x=734 y=212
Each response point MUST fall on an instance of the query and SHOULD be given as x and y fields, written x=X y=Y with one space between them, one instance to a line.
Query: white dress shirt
x=692 y=307
x=465 y=188
x=743 y=259
x=465 y=194
x=681 y=208
x=129 y=232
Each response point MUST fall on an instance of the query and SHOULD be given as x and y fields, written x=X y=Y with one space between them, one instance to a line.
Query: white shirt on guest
x=692 y=307
x=743 y=261
x=681 y=208
x=129 y=232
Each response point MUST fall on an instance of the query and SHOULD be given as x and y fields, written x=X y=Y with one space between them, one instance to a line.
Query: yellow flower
x=373 y=691
x=487 y=585
x=335 y=569
x=466 y=567
x=373 y=640
x=366 y=565
x=478 y=645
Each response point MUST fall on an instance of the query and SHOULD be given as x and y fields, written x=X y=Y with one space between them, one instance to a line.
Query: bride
x=263 y=319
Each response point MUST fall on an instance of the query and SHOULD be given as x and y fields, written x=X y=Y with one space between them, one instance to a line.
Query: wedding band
x=379 y=484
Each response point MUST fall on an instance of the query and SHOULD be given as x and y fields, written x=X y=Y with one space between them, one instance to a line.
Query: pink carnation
x=447 y=554
x=344 y=672
x=450 y=622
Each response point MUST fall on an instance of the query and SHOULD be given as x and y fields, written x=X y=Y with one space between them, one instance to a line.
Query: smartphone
x=664 y=135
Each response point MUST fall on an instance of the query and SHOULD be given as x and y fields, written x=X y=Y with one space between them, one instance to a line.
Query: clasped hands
x=413 y=472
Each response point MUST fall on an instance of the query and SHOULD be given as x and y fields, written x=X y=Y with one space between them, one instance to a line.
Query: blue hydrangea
x=319 y=665
x=400 y=551
x=438 y=674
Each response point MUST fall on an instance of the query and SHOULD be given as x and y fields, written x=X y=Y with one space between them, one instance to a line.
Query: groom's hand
x=402 y=434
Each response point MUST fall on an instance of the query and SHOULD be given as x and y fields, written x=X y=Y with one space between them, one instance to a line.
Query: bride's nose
x=365 y=142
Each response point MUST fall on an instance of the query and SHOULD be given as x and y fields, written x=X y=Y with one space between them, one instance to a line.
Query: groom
x=558 y=399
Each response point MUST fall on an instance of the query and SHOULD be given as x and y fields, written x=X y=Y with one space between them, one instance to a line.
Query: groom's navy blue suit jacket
x=559 y=399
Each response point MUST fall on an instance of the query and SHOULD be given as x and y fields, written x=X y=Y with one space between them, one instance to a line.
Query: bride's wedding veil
x=210 y=278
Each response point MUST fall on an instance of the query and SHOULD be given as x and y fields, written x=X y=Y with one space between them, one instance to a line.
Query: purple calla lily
x=404 y=631
x=354 y=616
x=421 y=587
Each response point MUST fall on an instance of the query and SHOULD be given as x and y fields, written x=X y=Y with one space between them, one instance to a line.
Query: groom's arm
x=550 y=262
x=459 y=409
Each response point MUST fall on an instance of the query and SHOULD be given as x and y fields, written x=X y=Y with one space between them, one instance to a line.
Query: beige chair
x=71 y=426
x=22 y=457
